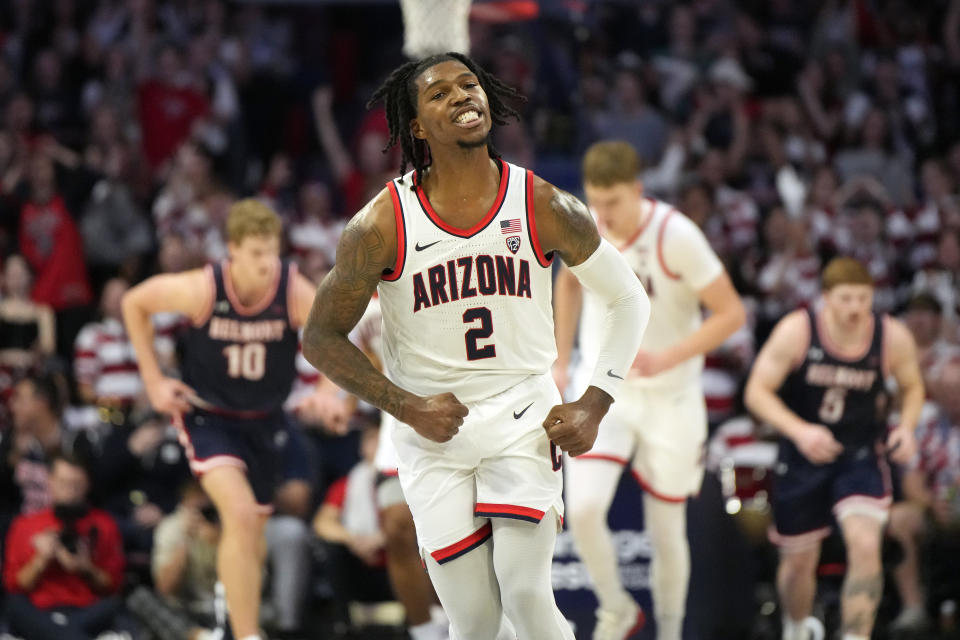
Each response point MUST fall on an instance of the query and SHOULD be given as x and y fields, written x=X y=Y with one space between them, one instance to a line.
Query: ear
x=417 y=129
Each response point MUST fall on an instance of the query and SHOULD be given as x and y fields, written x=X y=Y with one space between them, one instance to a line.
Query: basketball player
x=660 y=425
x=460 y=250
x=238 y=367
x=819 y=380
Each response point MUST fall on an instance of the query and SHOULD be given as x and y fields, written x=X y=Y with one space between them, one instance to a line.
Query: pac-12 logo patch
x=513 y=243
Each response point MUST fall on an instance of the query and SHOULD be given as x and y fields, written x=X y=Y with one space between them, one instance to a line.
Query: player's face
x=451 y=107
x=850 y=304
x=615 y=206
x=255 y=259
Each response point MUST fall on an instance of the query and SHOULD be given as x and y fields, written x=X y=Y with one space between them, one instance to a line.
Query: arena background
x=790 y=130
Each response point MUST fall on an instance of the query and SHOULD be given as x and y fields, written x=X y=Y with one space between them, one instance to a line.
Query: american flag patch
x=510 y=226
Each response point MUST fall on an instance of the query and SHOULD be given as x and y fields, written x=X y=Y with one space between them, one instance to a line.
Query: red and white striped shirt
x=104 y=359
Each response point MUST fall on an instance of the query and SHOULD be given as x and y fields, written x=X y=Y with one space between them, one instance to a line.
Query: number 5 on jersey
x=484 y=331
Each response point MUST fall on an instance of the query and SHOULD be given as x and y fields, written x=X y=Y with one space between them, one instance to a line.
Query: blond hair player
x=660 y=424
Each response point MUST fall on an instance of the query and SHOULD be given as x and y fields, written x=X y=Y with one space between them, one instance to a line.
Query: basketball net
x=435 y=26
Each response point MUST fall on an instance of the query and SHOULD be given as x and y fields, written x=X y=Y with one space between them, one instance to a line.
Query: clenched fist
x=437 y=418
x=573 y=426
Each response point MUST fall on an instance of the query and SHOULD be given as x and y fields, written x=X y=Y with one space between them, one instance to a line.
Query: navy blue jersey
x=243 y=358
x=847 y=395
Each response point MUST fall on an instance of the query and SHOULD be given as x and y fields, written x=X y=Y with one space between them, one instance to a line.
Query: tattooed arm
x=367 y=247
x=565 y=227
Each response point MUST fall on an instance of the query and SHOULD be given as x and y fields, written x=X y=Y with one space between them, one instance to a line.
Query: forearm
x=911 y=400
x=567 y=303
x=712 y=333
x=168 y=577
x=343 y=363
x=99 y=579
x=30 y=573
x=140 y=331
x=768 y=407
x=331 y=530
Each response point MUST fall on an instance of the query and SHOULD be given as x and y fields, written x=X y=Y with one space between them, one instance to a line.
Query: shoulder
x=564 y=223
x=792 y=331
x=897 y=339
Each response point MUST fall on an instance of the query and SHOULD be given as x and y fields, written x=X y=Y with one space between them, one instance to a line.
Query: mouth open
x=468 y=119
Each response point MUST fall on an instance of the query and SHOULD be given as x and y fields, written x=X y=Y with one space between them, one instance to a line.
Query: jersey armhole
x=394 y=274
x=211 y=294
x=805 y=341
x=884 y=347
x=291 y=296
x=542 y=259
x=660 y=234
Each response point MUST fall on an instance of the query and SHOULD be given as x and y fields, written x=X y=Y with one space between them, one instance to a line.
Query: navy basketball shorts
x=257 y=446
x=809 y=498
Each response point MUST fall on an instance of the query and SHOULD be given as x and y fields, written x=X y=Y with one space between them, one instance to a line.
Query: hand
x=326 y=409
x=145 y=438
x=169 y=395
x=45 y=544
x=817 y=444
x=942 y=513
x=79 y=562
x=573 y=426
x=366 y=547
x=147 y=515
x=650 y=363
x=901 y=445
x=437 y=418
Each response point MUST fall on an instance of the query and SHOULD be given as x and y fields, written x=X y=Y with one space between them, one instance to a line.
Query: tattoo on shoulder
x=359 y=258
x=577 y=235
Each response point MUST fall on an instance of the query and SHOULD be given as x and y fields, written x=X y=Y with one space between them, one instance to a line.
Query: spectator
x=184 y=560
x=64 y=564
x=27 y=329
x=51 y=243
x=872 y=154
x=27 y=449
x=317 y=229
x=104 y=362
x=630 y=117
x=943 y=280
x=930 y=486
x=169 y=103
x=924 y=318
x=348 y=520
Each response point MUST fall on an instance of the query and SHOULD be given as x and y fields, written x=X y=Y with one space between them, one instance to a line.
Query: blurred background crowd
x=791 y=131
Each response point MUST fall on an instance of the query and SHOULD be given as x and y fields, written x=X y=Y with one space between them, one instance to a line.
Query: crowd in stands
x=791 y=131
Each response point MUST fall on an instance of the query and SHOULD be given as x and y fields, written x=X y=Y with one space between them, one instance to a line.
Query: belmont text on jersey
x=246 y=331
x=830 y=375
x=469 y=277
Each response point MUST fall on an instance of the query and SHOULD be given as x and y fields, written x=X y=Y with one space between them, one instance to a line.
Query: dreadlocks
x=399 y=95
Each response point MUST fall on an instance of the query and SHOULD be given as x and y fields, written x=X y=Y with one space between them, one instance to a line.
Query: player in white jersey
x=659 y=426
x=460 y=251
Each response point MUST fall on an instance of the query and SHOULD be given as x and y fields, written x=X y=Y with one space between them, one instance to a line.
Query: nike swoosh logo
x=517 y=416
x=613 y=375
x=420 y=247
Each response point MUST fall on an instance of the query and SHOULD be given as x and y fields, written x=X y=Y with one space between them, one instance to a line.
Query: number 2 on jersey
x=247 y=361
x=484 y=331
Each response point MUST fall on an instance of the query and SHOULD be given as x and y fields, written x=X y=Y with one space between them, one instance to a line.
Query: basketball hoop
x=435 y=26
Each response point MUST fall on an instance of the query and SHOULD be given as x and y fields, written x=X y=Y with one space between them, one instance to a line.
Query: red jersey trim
x=542 y=259
x=516 y=512
x=483 y=222
x=653 y=492
x=643 y=227
x=397 y=270
x=663 y=263
x=291 y=295
x=461 y=547
x=211 y=296
x=258 y=306
x=602 y=456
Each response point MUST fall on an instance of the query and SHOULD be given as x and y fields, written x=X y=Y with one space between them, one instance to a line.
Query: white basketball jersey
x=674 y=261
x=467 y=310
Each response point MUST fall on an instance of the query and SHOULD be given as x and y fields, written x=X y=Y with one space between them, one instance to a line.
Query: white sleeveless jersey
x=674 y=261
x=467 y=310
